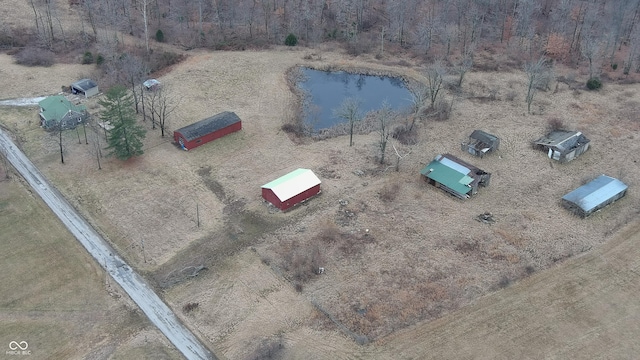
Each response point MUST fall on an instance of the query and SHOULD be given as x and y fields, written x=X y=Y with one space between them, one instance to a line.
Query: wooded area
x=597 y=32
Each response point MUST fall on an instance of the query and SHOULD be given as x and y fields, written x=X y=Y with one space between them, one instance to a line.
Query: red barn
x=291 y=189
x=206 y=130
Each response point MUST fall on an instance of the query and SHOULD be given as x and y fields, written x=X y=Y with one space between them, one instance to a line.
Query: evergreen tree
x=125 y=138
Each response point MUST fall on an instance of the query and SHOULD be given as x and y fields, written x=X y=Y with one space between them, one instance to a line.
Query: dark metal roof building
x=480 y=143
x=563 y=145
x=207 y=130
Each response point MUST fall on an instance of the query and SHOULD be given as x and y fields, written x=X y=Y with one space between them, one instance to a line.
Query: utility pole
x=60 y=130
x=382 y=42
x=98 y=152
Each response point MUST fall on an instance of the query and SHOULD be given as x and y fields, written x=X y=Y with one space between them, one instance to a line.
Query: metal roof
x=452 y=164
x=447 y=176
x=57 y=106
x=596 y=192
x=483 y=137
x=292 y=184
x=84 y=84
x=150 y=83
x=563 y=140
x=208 y=125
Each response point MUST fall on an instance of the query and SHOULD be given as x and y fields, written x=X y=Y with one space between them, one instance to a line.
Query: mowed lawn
x=54 y=298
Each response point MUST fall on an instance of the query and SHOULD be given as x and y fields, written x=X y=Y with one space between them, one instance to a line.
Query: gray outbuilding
x=563 y=145
x=594 y=195
x=86 y=87
x=480 y=143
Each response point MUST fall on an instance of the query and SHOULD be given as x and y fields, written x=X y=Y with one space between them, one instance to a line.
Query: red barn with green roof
x=291 y=189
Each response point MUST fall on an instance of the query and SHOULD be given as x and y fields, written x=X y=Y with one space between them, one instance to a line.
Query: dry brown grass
x=55 y=296
x=414 y=248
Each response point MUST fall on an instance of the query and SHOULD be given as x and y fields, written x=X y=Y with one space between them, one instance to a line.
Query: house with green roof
x=57 y=110
x=455 y=176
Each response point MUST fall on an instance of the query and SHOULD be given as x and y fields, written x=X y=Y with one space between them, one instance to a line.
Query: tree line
x=446 y=32
x=564 y=30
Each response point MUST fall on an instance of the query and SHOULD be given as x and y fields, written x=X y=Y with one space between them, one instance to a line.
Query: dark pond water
x=327 y=90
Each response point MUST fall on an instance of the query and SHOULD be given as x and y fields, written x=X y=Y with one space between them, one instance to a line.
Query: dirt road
x=155 y=309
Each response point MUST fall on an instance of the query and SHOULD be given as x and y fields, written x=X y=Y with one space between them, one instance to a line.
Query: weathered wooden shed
x=480 y=143
x=455 y=176
x=57 y=112
x=209 y=129
x=86 y=87
x=563 y=145
x=594 y=195
x=291 y=189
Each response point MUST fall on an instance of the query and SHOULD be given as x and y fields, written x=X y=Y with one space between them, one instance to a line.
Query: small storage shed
x=87 y=87
x=455 y=176
x=481 y=143
x=57 y=110
x=563 y=145
x=594 y=195
x=206 y=130
x=291 y=189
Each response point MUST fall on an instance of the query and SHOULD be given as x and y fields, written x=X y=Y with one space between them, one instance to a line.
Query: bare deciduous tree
x=465 y=63
x=134 y=71
x=399 y=156
x=399 y=12
x=590 y=48
x=419 y=94
x=163 y=107
x=634 y=48
x=539 y=75
x=435 y=74
x=95 y=141
x=349 y=111
x=424 y=33
x=145 y=17
x=385 y=116
x=150 y=102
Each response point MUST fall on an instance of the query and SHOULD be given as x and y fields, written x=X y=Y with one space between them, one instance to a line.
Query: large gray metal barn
x=594 y=195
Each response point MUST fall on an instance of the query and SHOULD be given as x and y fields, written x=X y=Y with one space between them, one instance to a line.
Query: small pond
x=327 y=90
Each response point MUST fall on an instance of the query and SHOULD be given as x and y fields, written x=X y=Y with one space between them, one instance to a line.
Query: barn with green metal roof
x=455 y=176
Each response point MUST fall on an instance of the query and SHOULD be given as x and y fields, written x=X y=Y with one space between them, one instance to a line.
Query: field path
x=155 y=309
